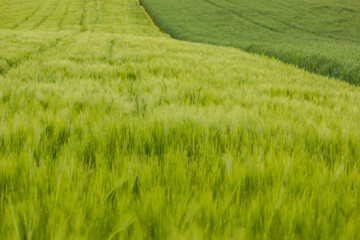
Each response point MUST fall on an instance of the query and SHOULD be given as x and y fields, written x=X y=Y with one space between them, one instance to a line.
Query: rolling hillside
x=110 y=129
x=321 y=36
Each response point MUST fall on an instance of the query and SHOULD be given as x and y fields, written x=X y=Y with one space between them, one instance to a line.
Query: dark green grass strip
x=324 y=41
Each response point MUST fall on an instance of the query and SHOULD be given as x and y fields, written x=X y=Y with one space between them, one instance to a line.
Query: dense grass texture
x=321 y=36
x=110 y=129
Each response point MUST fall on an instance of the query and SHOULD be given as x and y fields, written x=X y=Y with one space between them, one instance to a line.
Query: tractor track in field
x=83 y=16
x=29 y=16
x=242 y=16
x=54 y=7
x=40 y=51
x=300 y=29
x=110 y=52
x=96 y=16
x=292 y=26
x=62 y=19
x=27 y=57
x=96 y=12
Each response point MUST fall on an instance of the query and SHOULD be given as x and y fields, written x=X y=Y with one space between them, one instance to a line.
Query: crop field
x=110 y=129
x=321 y=36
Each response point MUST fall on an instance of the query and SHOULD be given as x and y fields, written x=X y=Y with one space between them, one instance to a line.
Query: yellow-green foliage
x=111 y=130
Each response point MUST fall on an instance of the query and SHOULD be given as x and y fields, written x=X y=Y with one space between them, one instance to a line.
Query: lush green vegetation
x=111 y=130
x=321 y=36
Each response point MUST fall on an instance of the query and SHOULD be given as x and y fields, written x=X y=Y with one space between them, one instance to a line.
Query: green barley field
x=110 y=129
x=321 y=36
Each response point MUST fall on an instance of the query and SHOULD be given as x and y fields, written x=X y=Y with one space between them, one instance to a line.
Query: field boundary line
x=151 y=17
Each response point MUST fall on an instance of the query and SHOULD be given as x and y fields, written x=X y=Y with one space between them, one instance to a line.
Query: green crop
x=321 y=36
x=110 y=129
